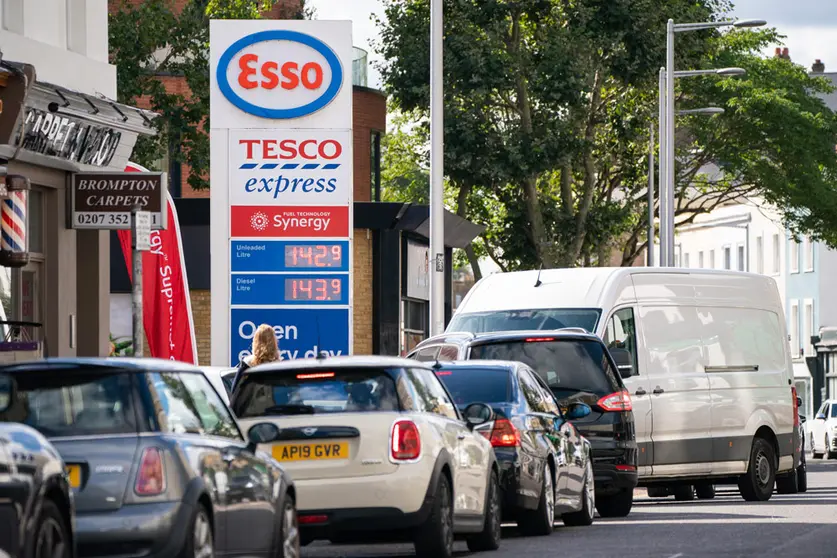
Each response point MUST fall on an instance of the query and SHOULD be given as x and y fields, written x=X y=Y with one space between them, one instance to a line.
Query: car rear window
x=306 y=391
x=525 y=320
x=568 y=366
x=477 y=385
x=73 y=403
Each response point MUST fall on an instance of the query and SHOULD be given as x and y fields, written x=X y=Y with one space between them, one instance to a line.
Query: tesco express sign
x=279 y=74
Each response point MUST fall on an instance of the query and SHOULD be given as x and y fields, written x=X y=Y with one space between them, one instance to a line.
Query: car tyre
x=617 y=505
x=201 y=542
x=289 y=537
x=684 y=493
x=540 y=522
x=658 y=492
x=757 y=484
x=51 y=538
x=829 y=454
x=802 y=475
x=489 y=538
x=705 y=491
x=434 y=539
x=585 y=515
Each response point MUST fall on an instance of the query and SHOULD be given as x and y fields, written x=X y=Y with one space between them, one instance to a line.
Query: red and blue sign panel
x=289 y=255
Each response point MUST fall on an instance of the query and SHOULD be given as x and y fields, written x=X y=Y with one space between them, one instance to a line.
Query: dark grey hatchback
x=156 y=460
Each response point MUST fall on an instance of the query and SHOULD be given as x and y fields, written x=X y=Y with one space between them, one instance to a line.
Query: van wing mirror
x=624 y=362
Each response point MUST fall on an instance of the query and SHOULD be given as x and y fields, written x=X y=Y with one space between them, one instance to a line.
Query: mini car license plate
x=310 y=451
x=74 y=472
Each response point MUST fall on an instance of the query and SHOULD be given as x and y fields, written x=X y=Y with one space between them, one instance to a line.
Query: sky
x=810 y=26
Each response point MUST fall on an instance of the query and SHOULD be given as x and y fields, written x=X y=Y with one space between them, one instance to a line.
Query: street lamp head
x=750 y=23
x=731 y=72
x=707 y=111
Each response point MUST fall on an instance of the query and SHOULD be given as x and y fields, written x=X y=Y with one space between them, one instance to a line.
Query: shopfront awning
x=52 y=126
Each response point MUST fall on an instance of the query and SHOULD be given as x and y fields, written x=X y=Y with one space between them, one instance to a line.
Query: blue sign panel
x=289 y=255
x=301 y=333
x=249 y=289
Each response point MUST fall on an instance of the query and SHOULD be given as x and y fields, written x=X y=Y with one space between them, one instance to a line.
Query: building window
x=808 y=328
x=414 y=321
x=777 y=256
x=712 y=259
x=375 y=166
x=700 y=259
x=727 y=257
x=676 y=259
x=742 y=256
x=793 y=326
x=686 y=260
x=760 y=254
x=794 y=256
x=809 y=254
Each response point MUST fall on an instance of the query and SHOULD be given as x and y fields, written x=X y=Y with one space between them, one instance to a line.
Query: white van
x=703 y=353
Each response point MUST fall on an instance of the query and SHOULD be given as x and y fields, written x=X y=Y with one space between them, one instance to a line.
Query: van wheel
x=705 y=490
x=658 y=492
x=618 y=505
x=540 y=522
x=787 y=483
x=684 y=493
x=434 y=539
x=757 y=484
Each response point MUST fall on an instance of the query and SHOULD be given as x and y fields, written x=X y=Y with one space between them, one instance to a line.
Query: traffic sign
x=143 y=226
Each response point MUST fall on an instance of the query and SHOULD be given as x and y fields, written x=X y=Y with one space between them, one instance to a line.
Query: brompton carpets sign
x=104 y=200
x=59 y=136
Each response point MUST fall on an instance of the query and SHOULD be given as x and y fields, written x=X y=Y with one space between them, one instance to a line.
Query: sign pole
x=140 y=242
x=437 y=192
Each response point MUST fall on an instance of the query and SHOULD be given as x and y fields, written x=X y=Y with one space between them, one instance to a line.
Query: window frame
x=793 y=318
x=777 y=255
x=712 y=259
x=793 y=256
x=700 y=260
x=727 y=257
x=760 y=254
x=635 y=353
x=809 y=255
x=807 y=327
x=741 y=257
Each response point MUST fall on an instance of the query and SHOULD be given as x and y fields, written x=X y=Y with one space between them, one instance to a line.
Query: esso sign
x=279 y=74
x=287 y=149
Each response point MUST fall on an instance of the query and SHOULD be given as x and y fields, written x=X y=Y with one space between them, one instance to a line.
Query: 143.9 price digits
x=321 y=289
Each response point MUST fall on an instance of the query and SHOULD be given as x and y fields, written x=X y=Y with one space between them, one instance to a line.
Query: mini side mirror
x=624 y=362
x=820 y=416
x=262 y=433
x=476 y=414
x=578 y=411
x=799 y=402
x=7 y=388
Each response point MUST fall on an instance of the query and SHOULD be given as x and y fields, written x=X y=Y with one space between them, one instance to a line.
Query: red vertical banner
x=167 y=307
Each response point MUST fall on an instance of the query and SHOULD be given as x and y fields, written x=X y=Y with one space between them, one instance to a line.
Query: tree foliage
x=548 y=106
x=151 y=41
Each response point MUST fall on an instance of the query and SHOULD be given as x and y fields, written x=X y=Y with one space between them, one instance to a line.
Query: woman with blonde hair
x=265 y=349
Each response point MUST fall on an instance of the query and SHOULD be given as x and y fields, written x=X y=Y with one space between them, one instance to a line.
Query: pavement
x=798 y=525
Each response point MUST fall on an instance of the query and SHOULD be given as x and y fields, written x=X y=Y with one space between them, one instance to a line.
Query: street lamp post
x=437 y=208
x=671 y=29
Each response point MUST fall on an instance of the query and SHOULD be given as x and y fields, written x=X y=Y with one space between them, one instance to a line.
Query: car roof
x=464 y=338
x=111 y=364
x=366 y=361
x=480 y=364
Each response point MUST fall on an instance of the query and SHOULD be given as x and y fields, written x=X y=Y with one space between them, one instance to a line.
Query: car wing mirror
x=261 y=433
x=820 y=416
x=624 y=362
x=476 y=414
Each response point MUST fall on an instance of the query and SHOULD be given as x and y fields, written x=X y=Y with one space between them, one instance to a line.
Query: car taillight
x=406 y=441
x=151 y=478
x=616 y=402
x=504 y=434
x=795 y=407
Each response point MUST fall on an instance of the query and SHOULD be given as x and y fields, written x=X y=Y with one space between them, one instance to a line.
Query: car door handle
x=658 y=389
x=640 y=391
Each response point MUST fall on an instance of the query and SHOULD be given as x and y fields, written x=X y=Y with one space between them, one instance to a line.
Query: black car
x=156 y=460
x=578 y=368
x=543 y=458
x=36 y=504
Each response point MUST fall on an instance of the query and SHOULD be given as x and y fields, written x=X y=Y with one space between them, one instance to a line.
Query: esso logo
x=279 y=74
x=271 y=149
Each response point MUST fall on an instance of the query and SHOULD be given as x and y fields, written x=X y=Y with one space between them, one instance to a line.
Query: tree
x=548 y=106
x=150 y=41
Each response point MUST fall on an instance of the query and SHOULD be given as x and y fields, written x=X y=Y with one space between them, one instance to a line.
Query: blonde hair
x=265 y=345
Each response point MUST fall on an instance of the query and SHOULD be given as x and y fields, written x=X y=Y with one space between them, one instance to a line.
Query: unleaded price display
x=313 y=256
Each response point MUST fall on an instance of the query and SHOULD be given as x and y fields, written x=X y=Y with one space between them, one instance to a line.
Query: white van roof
x=605 y=287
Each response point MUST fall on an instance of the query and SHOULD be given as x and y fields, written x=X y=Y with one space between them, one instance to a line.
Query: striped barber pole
x=13 y=225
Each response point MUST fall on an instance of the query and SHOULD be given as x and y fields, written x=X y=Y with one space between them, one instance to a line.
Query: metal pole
x=136 y=288
x=670 y=140
x=437 y=210
x=651 y=235
x=662 y=162
x=747 y=248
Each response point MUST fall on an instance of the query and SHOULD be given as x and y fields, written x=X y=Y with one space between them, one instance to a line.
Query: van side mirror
x=624 y=362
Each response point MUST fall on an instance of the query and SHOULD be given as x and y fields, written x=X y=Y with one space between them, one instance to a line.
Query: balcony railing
x=360 y=63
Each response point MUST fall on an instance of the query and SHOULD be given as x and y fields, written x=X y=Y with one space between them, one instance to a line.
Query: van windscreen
x=525 y=320
x=568 y=366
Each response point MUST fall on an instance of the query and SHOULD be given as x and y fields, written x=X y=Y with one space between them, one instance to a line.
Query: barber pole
x=13 y=243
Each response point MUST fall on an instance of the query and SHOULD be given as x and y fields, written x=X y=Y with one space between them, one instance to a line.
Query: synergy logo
x=288 y=222
x=259 y=221
x=279 y=74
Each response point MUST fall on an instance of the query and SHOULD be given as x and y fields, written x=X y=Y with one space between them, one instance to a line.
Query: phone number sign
x=104 y=200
